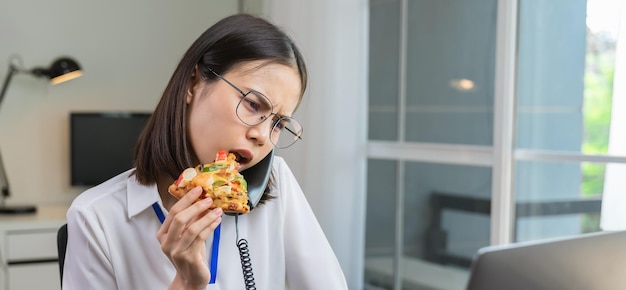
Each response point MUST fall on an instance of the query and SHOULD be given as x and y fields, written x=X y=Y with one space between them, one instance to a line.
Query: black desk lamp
x=63 y=69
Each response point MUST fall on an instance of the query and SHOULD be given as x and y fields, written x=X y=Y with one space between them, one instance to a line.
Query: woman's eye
x=251 y=104
x=279 y=124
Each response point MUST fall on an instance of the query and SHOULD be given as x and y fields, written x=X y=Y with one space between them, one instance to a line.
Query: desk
x=28 y=249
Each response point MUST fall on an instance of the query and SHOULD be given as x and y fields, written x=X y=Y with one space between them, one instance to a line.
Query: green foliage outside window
x=597 y=118
x=600 y=68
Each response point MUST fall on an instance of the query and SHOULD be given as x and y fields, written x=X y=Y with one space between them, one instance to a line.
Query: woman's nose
x=260 y=133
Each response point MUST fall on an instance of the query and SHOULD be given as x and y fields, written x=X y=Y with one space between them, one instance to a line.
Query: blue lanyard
x=214 y=247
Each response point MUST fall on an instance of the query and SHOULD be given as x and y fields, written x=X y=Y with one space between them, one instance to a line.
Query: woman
x=234 y=89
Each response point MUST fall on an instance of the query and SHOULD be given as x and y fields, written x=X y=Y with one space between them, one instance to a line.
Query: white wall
x=128 y=50
x=330 y=162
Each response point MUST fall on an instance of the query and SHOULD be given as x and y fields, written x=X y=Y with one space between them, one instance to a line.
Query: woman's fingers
x=182 y=220
x=201 y=229
x=187 y=200
x=181 y=215
x=188 y=221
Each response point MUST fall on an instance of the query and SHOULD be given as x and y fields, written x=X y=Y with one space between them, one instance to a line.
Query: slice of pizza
x=220 y=180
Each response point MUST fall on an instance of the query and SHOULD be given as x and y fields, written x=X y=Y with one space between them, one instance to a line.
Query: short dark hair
x=163 y=148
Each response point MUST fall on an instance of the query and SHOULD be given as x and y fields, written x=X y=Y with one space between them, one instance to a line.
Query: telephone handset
x=257 y=178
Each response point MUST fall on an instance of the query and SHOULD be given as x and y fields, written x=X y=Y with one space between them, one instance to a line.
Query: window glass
x=383 y=75
x=446 y=211
x=445 y=221
x=567 y=61
x=567 y=102
x=450 y=71
x=381 y=206
x=553 y=199
x=380 y=231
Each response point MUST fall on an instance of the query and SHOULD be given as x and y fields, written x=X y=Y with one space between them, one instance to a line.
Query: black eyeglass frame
x=297 y=135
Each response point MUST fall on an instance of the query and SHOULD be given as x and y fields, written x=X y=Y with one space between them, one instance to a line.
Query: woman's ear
x=195 y=79
x=189 y=96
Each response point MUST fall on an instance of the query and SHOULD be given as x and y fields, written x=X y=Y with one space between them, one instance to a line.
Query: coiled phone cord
x=246 y=263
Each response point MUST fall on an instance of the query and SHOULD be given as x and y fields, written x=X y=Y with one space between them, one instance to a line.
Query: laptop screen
x=588 y=261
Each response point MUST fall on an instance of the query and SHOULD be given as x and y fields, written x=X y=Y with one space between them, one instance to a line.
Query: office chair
x=61 y=246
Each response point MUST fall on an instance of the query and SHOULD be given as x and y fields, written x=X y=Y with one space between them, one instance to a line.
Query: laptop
x=595 y=261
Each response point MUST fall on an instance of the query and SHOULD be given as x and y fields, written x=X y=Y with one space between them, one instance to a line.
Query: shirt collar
x=140 y=197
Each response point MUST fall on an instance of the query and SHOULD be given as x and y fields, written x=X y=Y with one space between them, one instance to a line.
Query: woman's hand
x=183 y=239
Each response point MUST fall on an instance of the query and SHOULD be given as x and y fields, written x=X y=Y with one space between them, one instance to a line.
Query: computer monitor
x=102 y=144
x=594 y=261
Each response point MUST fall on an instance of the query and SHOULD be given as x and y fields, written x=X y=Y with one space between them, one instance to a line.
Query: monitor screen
x=102 y=144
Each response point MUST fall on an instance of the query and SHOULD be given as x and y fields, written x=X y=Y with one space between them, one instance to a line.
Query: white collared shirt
x=112 y=241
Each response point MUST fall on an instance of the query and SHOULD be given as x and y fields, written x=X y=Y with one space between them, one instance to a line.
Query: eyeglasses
x=254 y=108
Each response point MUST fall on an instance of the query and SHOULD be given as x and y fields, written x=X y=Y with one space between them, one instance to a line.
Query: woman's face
x=213 y=124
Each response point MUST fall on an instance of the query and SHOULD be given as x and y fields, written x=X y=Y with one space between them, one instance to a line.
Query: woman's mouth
x=242 y=156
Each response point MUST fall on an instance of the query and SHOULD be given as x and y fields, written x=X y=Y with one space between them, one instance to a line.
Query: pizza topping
x=186 y=176
x=212 y=168
x=222 y=155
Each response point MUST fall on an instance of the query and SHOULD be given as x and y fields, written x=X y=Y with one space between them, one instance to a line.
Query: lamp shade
x=62 y=69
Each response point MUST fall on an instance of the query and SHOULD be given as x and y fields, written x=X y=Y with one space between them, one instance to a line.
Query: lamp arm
x=4 y=181
x=7 y=79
